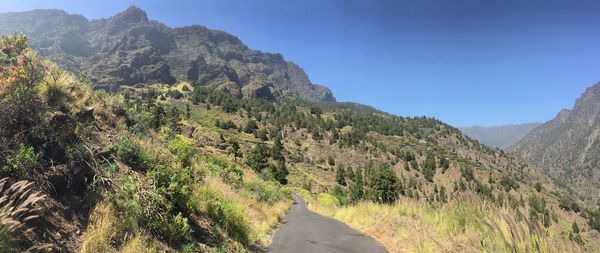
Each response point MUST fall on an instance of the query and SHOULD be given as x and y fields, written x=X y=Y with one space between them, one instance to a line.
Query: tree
x=250 y=126
x=428 y=168
x=188 y=111
x=444 y=164
x=349 y=173
x=234 y=148
x=278 y=149
x=173 y=118
x=357 y=187
x=158 y=117
x=258 y=157
x=280 y=172
x=262 y=135
x=339 y=177
x=383 y=186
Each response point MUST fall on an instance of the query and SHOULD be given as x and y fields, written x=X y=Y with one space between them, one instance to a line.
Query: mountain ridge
x=129 y=49
x=566 y=147
x=501 y=136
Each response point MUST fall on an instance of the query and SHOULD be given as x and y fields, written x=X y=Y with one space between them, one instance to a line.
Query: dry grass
x=465 y=225
x=18 y=204
x=105 y=233
x=138 y=244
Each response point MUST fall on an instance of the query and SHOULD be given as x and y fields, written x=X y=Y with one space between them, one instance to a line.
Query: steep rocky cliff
x=130 y=49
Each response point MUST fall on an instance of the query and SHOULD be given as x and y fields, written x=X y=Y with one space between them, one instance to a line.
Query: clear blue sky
x=465 y=62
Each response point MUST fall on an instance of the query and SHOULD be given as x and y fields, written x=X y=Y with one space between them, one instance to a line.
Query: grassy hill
x=186 y=168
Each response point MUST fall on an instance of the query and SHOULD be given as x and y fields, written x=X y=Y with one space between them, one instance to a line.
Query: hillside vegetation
x=110 y=174
x=184 y=167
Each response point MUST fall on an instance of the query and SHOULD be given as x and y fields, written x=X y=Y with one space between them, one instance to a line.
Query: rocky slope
x=130 y=49
x=568 y=147
x=499 y=136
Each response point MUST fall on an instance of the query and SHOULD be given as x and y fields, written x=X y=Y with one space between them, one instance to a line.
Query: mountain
x=130 y=49
x=499 y=136
x=568 y=147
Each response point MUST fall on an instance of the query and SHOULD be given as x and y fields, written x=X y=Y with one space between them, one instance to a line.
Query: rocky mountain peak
x=129 y=49
x=133 y=14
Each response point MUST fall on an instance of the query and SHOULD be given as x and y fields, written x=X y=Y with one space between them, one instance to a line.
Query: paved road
x=305 y=231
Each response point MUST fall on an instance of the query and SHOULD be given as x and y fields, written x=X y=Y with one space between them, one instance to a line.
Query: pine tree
x=280 y=174
x=339 y=177
x=357 y=188
x=278 y=149
x=158 y=117
x=188 y=111
x=258 y=157
x=234 y=148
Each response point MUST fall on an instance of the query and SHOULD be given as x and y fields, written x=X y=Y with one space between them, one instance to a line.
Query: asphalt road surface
x=305 y=231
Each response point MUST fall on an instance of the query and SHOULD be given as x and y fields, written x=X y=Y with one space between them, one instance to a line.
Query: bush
x=250 y=126
x=266 y=191
x=339 y=193
x=225 y=124
x=183 y=151
x=174 y=183
x=508 y=183
x=19 y=164
x=467 y=173
x=228 y=215
x=568 y=204
x=130 y=153
x=174 y=94
x=149 y=208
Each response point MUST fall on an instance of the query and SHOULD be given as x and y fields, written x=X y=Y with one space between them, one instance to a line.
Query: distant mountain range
x=130 y=49
x=499 y=136
x=568 y=147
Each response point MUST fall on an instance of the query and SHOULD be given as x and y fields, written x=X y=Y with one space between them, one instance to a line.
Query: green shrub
x=149 y=208
x=568 y=204
x=130 y=153
x=174 y=183
x=226 y=124
x=266 y=191
x=20 y=163
x=339 y=193
x=182 y=150
x=174 y=94
x=508 y=183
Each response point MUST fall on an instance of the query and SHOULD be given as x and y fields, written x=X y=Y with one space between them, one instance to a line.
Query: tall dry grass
x=106 y=233
x=19 y=203
x=466 y=224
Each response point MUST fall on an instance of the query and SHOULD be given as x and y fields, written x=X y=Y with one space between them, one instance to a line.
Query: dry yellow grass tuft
x=105 y=232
